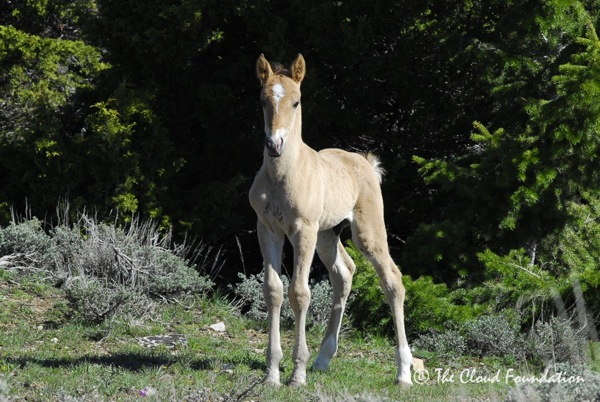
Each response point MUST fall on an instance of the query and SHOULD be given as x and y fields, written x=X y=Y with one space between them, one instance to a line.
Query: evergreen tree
x=525 y=200
x=66 y=130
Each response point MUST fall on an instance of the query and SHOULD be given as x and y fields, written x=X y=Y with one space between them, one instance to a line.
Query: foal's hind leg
x=341 y=268
x=369 y=235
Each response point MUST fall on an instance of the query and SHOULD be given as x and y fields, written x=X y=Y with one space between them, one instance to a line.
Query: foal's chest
x=273 y=209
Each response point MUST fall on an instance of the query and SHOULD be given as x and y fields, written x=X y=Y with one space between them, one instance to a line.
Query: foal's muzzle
x=274 y=147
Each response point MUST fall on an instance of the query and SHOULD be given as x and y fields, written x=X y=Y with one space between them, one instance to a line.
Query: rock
x=170 y=341
x=148 y=391
x=218 y=327
x=418 y=364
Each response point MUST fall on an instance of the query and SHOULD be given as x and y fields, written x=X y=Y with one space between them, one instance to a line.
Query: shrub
x=486 y=335
x=445 y=345
x=320 y=300
x=557 y=341
x=586 y=389
x=138 y=257
x=93 y=301
x=494 y=335
x=27 y=244
x=427 y=305
x=250 y=297
x=367 y=306
x=108 y=270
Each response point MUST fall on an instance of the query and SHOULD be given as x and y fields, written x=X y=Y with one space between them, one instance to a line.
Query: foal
x=309 y=196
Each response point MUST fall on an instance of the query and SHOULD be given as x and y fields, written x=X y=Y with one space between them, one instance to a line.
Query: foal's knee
x=273 y=292
x=299 y=294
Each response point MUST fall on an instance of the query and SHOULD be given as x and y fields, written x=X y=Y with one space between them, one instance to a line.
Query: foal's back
x=351 y=182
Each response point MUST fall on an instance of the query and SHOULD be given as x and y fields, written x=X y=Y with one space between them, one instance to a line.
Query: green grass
x=45 y=356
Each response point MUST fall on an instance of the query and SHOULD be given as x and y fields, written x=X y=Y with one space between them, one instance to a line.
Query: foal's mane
x=280 y=69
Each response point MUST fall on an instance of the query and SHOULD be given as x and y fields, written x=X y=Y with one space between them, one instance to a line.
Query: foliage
x=249 y=293
x=445 y=345
x=522 y=200
x=494 y=335
x=59 y=133
x=559 y=341
x=427 y=306
x=108 y=271
x=94 y=301
x=587 y=389
x=512 y=281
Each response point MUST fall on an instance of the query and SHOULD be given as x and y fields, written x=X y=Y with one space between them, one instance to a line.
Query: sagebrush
x=108 y=270
x=250 y=298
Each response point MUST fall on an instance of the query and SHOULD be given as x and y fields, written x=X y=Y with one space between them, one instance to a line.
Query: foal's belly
x=333 y=220
x=283 y=217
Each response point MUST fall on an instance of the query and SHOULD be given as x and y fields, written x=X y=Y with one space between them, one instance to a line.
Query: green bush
x=428 y=305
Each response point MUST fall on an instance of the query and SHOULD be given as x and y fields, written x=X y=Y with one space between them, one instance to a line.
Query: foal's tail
x=376 y=164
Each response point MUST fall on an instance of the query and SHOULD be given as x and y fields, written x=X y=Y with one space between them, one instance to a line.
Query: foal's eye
x=295 y=105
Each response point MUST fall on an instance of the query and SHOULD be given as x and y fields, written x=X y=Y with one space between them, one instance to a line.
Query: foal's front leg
x=304 y=243
x=271 y=245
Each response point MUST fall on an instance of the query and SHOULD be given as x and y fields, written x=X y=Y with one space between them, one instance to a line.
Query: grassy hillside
x=45 y=357
x=93 y=312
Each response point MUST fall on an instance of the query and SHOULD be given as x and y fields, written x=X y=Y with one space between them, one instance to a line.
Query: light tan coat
x=309 y=196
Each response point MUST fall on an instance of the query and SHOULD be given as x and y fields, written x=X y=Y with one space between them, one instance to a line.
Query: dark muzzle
x=274 y=147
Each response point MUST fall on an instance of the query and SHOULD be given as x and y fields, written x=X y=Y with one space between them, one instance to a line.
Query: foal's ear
x=263 y=69
x=298 y=68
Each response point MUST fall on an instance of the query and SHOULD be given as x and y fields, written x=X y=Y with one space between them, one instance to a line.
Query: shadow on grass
x=135 y=362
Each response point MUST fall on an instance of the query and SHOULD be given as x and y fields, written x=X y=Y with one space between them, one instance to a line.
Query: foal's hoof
x=297 y=383
x=272 y=382
x=320 y=366
x=297 y=380
x=404 y=384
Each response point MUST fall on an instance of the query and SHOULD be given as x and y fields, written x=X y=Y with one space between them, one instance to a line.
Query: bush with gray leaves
x=251 y=300
x=108 y=270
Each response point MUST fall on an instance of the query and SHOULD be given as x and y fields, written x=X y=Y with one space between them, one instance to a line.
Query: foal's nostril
x=274 y=146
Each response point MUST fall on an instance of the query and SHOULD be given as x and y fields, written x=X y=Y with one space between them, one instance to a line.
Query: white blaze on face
x=278 y=94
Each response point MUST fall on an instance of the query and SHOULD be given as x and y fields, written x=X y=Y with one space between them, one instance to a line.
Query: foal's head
x=280 y=98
